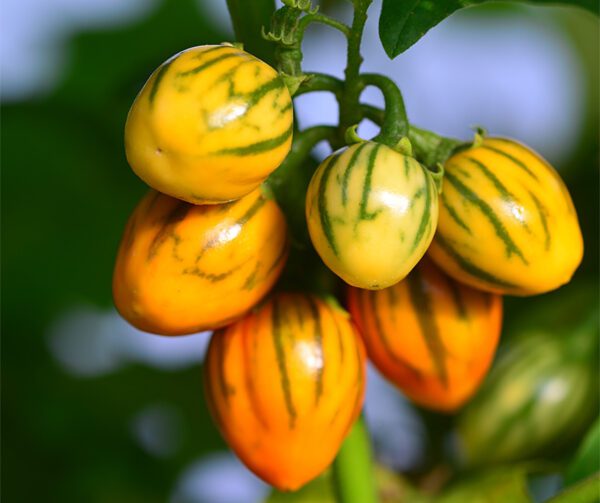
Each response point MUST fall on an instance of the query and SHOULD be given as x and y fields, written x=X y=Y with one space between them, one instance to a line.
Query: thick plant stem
x=353 y=474
x=349 y=109
x=395 y=123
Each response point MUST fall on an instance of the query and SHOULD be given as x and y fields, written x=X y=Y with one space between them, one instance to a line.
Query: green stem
x=320 y=82
x=430 y=148
x=395 y=122
x=304 y=142
x=353 y=474
x=372 y=113
x=349 y=109
x=326 y=20
x=290 y=181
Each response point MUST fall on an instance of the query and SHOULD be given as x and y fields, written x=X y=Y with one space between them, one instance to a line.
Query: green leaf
x=403 y=23
x=248 y=17
x=587 y=491
x=587 y=459
x=491 y=486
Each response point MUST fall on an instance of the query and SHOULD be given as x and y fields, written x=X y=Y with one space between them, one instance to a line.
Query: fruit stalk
x=352 y=469
x=349 y=111
x=395 y=123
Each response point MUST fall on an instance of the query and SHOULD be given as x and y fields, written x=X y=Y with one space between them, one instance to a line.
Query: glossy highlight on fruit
x=183 y=268
x=371 y=214
x=507 y=223
x=284 y=385
x=210 y=124
x=433 y=337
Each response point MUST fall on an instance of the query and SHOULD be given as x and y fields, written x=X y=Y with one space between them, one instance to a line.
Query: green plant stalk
x=353 y=475
x=321 y=82
x=349 y=101
x=429 y=148
x=395 y=123
x=326 y=20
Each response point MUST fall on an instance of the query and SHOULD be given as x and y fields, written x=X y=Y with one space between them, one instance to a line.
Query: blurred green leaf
x=587 y=491
x=248 y=19
x=403 y=23
x=587 y=458
x=500 y=485
x=67 y=192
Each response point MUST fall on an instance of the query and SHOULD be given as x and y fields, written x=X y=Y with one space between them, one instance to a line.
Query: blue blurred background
x=96 y=411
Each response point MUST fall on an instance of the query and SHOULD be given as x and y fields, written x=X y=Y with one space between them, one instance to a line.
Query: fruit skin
x=539 y=398
x=183 y=268
x=371 y=214
x=210 y=124
x=507 y=223
x=431 y=336
x=284 y=384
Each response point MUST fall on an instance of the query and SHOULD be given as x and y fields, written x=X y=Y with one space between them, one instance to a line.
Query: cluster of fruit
x=285 y=378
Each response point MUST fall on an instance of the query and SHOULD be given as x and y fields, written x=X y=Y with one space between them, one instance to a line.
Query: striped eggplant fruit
x=371 y=214
x=538 y=400
x=210 y=124
x=183 y=268
x=507 y=223
x=431 y=336
x=284 y=385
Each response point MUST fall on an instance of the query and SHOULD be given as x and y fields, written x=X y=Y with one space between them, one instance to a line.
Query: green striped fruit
x=371 y=214
x=507 y=223
x=285 y=384
x=542 y=394
x=210 y=125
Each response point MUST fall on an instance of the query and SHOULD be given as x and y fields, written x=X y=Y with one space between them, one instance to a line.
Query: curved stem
x=304 y=142
x=372 y=113
x=395 y=122
x=353 y=470
x=430 y=148
x=290 y=181
x=326 y=20
x=320 y=82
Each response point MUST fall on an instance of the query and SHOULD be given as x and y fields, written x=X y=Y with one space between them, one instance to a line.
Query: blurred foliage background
x=94 y=411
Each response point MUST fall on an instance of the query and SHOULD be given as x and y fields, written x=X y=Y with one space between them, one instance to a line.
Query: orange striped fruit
x=183 y=268
x=507 y=223
x=284 y=384
x=433 y=337
x=210 y=125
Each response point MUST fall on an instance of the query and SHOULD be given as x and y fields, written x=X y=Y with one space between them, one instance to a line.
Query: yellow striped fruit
x=284 y=385
x=183 y=268
x=433 y=337
x=371 y=214
x=210 y=124
x=507 y=223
